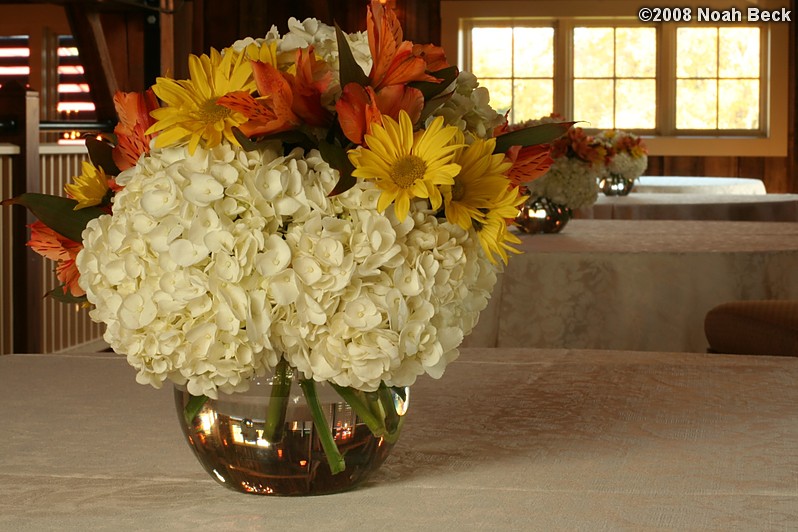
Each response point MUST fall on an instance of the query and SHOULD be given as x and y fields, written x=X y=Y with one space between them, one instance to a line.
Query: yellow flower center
x=407 y=170
x=210 y=112
x=458 y=190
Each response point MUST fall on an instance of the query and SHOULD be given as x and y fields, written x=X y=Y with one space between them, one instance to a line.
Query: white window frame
x=457 y=17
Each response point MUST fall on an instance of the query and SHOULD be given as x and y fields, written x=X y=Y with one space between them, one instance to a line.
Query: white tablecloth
x=689 y=206
x=637 y=285
x=698 y=185
x=508 y=439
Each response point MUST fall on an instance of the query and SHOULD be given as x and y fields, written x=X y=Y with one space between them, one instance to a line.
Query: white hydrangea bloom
x=569 y=182
x=215 y=264
x=627 y=166
x=468 y=108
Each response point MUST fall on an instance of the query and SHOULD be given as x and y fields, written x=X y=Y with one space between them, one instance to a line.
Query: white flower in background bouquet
x=282 y=210
x=627 y=159
x=577 y=161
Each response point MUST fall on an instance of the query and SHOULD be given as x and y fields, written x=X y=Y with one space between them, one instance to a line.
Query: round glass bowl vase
x=245 y=445
x=541 y=215
x=615 y=185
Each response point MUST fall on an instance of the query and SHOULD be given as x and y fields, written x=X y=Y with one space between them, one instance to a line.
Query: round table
x=689 y=206
x=698 y=185
x=635 y=284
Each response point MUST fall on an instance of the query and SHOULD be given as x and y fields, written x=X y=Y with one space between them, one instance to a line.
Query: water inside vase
x=228 y=437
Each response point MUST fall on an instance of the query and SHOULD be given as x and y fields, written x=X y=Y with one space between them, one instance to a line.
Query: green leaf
x=336 y=157
x=293 y=137
x=101 y=155
x=349 y=70
x=59 y=295
x=57 y=213
x=193 y=407
x=430 y=89
x=532 y=136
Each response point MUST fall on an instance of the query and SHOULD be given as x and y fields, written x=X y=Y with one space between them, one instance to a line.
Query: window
x=74 y=99
x=614 y=73
x=521 y=81
x=14 y=59
x=718 y=78
x=670 y=82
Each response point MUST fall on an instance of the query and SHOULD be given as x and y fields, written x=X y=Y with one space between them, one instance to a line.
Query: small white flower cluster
x=569 y=182
x=215 y=264
x=628 y=167
x=468 y=108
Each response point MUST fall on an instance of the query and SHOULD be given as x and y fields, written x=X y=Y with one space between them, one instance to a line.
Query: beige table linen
x=509 y=439
x=637 y=285
x=699 y=185
x=732 y=207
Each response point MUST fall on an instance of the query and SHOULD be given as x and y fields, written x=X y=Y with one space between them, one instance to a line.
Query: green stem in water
x=278 y=403
x=193 y=407
x=393 y=421
x=361 y=408
x=376 y=409
x=334 y=457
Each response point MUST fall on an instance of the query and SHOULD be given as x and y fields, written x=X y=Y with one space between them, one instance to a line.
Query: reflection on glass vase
x=541 y=215
x=265 y=441
x=615 y=185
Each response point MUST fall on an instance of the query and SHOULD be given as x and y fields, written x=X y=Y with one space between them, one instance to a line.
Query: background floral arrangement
x=627 y=153
x=282 y=206
x=578 y=159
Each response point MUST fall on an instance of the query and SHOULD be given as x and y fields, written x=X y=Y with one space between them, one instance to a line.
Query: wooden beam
x=87 y=29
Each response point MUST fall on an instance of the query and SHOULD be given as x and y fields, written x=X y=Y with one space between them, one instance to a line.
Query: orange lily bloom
x=394 y=60
x=286 y=101
x=357 y=111
x=433 y=56
x=133 y=109
x=56 y=247
x=529 y=163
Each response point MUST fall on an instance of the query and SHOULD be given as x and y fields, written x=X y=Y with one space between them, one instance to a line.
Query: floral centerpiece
x=569 y=184
x=319 y=204
x=627 y=160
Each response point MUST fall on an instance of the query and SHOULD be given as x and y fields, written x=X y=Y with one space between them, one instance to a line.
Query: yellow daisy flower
x=265 y=53
x=407 y=165
x=191 y=112
x=480 y=181
x=493 y=232
x=89 y=188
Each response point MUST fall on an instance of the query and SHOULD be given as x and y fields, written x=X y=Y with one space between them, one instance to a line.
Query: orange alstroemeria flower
x=394 y=60
x=357 y=111
x=286 y=101
x=433 y=56
x=56 y=247
x=133 y=109
x=529 y=163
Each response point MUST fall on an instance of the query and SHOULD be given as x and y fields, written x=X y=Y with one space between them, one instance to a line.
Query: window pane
x=533 y=98
x=501 y=93
x=635 y=103
x=635 y=52
x=696 y=104
x=490 y=52
x=738 y=104
x=74 y=97
x=738 y=53
x=534 y=52
x=14 y=59
x=696 y=52
x=593 y=52
x=593 y=102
